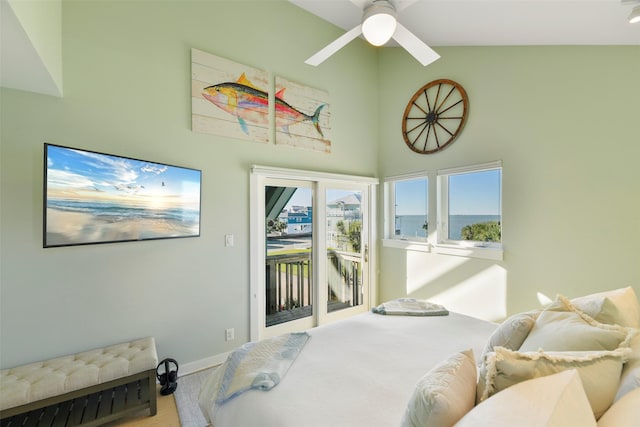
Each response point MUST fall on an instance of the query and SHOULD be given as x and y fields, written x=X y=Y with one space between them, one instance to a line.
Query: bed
x=356 y=372
x=574 y=362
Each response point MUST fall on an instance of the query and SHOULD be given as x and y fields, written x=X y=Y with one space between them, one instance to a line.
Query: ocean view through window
x=463 y=217
x=471 y=204
x=412 y=225
x=408 y=201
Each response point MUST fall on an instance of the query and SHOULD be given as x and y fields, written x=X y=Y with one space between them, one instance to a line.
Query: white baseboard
x=199 y=365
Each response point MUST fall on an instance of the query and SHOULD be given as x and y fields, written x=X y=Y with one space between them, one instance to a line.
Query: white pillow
x=630 y=378
x=620 y=307
x=510 y=334
x=553 y=401
x=623 y=413
x=562 y=327
x=444 y=394
x=598 y=370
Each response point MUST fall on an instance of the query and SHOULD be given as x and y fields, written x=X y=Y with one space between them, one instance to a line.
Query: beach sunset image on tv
x=93 y=197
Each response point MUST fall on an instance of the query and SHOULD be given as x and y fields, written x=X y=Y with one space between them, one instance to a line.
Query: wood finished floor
x=167 y=415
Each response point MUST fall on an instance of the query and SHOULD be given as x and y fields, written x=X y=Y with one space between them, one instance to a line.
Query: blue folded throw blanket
x=258 y=365
x=410 y=307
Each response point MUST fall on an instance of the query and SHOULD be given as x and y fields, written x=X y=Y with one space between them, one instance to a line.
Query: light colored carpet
x=187 y=398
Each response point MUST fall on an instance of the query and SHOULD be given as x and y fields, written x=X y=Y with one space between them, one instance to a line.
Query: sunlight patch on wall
x=483 y=295
x=421 y=272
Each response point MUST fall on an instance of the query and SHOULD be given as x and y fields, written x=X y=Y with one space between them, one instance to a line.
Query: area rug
x=186 y=396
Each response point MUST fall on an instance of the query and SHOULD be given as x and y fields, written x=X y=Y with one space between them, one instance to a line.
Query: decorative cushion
x=619 y=307
x=630 y=378
x=623 y=413
x=562 y=327
x=36 y=381
x=557 y=400
x=510 y=334
x=598 y=370
x=444 y=394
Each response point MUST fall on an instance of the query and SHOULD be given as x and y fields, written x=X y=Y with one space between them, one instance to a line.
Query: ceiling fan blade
x=416 y=47
x=334 y=46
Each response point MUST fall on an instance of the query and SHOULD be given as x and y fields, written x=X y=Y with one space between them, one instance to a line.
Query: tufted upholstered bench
x=88 y=389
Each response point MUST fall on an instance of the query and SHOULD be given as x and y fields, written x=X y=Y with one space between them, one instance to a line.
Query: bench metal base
x=91 y=406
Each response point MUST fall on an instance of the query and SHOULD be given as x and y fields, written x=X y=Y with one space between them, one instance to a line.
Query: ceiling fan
x=379 y=25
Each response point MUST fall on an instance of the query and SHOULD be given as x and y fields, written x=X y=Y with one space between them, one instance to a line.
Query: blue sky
x=469 y=194
x=84 y=174
x=406 y=201
x=302 y=197
x=475 y=193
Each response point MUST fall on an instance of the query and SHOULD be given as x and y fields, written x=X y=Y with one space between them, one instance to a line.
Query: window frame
x=389 y=237
x=444 y=245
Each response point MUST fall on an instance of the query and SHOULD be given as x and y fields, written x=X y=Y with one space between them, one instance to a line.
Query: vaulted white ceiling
x=498 y=22
x=436 y=22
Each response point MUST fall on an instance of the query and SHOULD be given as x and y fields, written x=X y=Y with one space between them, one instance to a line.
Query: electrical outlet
x=229 y=334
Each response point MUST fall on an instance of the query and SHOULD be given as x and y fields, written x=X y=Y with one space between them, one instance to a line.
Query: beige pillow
x=556 y=400
x=623 y=413
x=598 y=370
x=620 y=307
x=630 y=378
x=444 y=394
x=562 y=327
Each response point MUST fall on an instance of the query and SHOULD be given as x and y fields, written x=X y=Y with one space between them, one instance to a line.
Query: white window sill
x=468 y=251
x=409 y=245
x=479 y=252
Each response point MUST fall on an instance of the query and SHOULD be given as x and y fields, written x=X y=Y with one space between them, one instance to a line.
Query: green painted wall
x=127 y=80
x=560 y=118
x=564 y=122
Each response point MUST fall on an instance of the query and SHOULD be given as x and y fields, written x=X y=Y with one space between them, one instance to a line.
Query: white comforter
x=356 y=372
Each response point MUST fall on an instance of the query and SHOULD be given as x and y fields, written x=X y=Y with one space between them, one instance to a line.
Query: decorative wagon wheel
x=435 y=116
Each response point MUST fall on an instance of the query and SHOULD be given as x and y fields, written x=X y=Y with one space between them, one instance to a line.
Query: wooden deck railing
x=344 y=278
x=289 y=284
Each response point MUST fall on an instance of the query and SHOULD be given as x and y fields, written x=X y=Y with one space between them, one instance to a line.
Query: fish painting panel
x=302 y=116
x=228 y=98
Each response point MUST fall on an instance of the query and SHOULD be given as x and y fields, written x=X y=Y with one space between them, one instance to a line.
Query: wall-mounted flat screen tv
x=92 y=197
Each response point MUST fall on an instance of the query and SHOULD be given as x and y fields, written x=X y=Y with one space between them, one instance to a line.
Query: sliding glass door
x=310 y=252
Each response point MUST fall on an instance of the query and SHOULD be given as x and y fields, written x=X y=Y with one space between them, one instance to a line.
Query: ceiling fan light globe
x=379 y=28
x=379 y=23
x=634 y=17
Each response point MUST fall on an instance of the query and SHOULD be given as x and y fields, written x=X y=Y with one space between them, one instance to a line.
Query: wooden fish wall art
x=231 y=99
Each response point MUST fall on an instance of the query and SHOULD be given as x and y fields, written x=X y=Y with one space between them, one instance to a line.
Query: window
x=407 y=207
x=466 y=212
x=470 y=206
